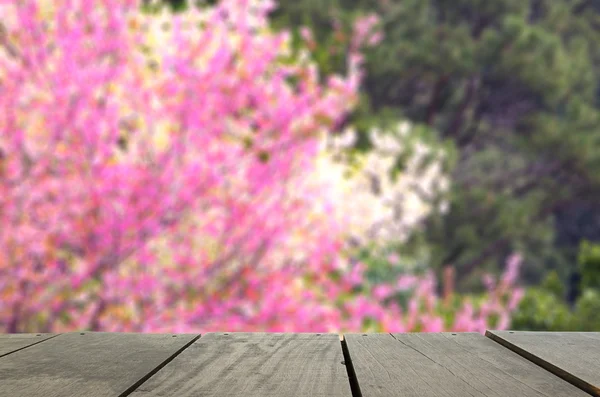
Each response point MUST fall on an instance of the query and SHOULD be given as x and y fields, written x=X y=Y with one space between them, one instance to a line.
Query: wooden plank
x=87 y=364
x=446 y=364
x=254 y=364
x=574 y=356
x=10 y=343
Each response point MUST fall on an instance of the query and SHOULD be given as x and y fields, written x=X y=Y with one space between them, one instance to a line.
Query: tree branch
x=434 y=103
x=490 y=250
x=458 y=118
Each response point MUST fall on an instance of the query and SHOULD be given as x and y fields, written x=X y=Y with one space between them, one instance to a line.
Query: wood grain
x=90 y=364
x=574 y=356
x=10 y=343
x=254 y=364
x=446 y=364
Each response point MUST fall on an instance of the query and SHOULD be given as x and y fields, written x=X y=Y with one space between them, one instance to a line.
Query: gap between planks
x=553 y=369
x=30 y=345
x=158 y=368
x=354 y=386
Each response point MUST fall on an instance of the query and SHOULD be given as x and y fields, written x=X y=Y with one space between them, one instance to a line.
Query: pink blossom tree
x=150 y=167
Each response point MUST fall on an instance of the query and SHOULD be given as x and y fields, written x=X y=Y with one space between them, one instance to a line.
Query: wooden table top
x=501 y=363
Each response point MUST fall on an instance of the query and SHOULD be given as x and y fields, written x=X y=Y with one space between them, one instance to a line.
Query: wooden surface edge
x=150 y=374
x=30 y=345
x=572 y=379
x=254 y=364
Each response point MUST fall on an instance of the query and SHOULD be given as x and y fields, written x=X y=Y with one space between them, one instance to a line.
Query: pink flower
x=393 y=259
x=182 y=220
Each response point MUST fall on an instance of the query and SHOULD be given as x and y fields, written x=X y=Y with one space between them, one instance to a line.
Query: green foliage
x=512 y=85
x=553 y=285
x=544 y=308
x=587 y=310
x=589 y=265
x=541 y=310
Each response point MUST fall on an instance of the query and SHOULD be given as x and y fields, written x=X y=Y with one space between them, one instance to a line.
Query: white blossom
x=374 y=207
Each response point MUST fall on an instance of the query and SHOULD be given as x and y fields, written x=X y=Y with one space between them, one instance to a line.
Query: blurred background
x=474 y=142
x=509 y=89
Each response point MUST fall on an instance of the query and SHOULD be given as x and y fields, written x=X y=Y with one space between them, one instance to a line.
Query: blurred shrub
x=544 y=308
x=589 y=265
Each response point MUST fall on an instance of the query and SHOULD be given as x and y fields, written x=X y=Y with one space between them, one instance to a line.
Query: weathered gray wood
x=87 y=364
x=574 y=356
x=254 y=364
x=10 y=343
x=445 y=364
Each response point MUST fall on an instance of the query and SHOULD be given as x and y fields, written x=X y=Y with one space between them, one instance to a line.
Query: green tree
x=513 y=85
x=544 y=308
x=589 y=265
